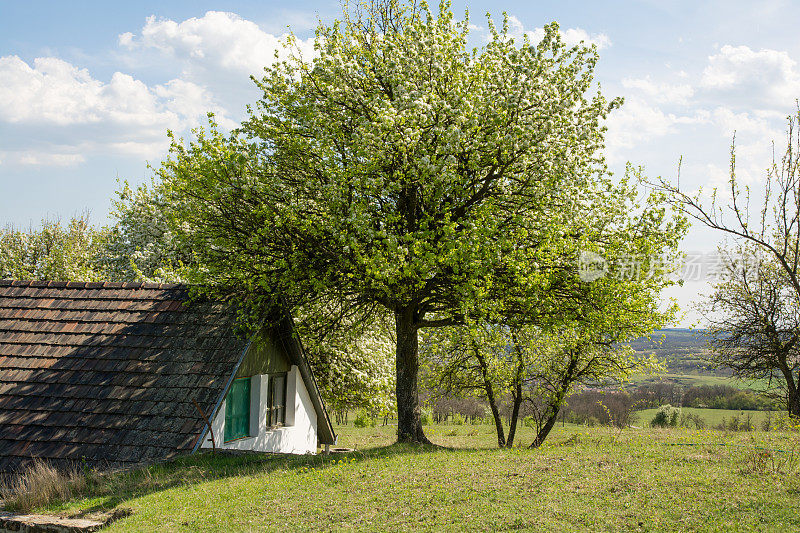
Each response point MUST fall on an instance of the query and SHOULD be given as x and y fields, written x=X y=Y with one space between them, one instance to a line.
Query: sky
x=89 y=89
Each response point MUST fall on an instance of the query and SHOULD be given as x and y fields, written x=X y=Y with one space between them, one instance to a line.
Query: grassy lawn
x=713 y=417
x=595 y=479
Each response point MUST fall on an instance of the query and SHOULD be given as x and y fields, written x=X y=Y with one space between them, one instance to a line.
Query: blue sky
x=88 y=89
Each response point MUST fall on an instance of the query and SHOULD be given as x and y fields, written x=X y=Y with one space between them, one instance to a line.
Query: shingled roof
x=106 y=372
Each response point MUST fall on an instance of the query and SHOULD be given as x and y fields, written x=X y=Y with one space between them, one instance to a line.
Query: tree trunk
x=498 y=420
x=558 y=401
x=487 y=385
x=512 y=427
x=409 y=425
x=794 y=399
x=793 y=403
x=516 y=395
x=792 y=390
x=545 y=429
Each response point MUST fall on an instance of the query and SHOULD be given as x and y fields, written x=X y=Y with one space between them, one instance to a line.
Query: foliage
x=426 y=416
x=364 y=419
x=398 y=169
x=530 y=366
x=478 y=361
x=577 y=357
x=666 y=416
x=142 y=245
x=355 y=372
x=138 y=246
x=54 y=252
x=703 y=396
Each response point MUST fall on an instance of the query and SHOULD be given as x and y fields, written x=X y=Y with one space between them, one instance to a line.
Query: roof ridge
x=41 y=284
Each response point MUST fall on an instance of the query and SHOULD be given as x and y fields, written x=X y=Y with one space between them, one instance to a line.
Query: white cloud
x=69 y=115
x=216 y=40
x=757 y=124
x=763 y=77
x=573 y=36
x=570 y=36
x=638 y=121
x=738 y=91
x=55 y=91
x=53 y=97
x=660 y=92
x=39 y=158
x=191 y=102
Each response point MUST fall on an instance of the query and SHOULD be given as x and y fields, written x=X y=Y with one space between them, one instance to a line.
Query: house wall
x=298 y=435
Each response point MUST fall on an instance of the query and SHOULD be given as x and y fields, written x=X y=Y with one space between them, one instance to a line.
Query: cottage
x=118 y=374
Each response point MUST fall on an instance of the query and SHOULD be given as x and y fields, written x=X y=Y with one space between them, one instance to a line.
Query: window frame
x=271 y=404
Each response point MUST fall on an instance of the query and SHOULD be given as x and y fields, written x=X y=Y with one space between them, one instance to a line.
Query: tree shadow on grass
x=107 y=491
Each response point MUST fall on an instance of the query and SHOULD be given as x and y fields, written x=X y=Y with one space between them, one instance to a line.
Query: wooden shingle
x=105 y=373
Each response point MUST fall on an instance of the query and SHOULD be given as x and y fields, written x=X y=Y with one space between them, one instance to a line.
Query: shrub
x=666 y=416
x=364 y=419
x=766 y=424
x=426 y=416
x=693 y=420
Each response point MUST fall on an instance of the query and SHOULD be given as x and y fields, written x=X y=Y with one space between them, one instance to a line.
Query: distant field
x=690 y=380
x=712 y=416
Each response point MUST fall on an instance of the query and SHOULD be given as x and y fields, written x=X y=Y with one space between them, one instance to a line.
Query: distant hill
x=684 y=351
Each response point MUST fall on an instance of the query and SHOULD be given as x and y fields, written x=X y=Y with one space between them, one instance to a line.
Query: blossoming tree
x=399 y=171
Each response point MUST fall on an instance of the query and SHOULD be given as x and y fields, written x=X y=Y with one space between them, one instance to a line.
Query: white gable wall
x=298 y=435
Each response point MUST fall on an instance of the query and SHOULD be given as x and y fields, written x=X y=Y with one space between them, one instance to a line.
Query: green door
x=237 y=410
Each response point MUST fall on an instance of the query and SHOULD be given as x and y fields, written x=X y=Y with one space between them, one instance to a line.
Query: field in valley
x=581 y=479
x=713 y=417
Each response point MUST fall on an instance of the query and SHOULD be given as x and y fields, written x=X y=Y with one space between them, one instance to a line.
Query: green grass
x=581 y=479
x=713 y=417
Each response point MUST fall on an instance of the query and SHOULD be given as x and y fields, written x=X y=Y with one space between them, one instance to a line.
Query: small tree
x=760 y=301
x=577 y=357
x=754 y=324
x=481 y=361
x=531 y=367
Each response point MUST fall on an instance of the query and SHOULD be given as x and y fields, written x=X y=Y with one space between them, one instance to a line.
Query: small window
x=276 y=400
x=237 y=410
